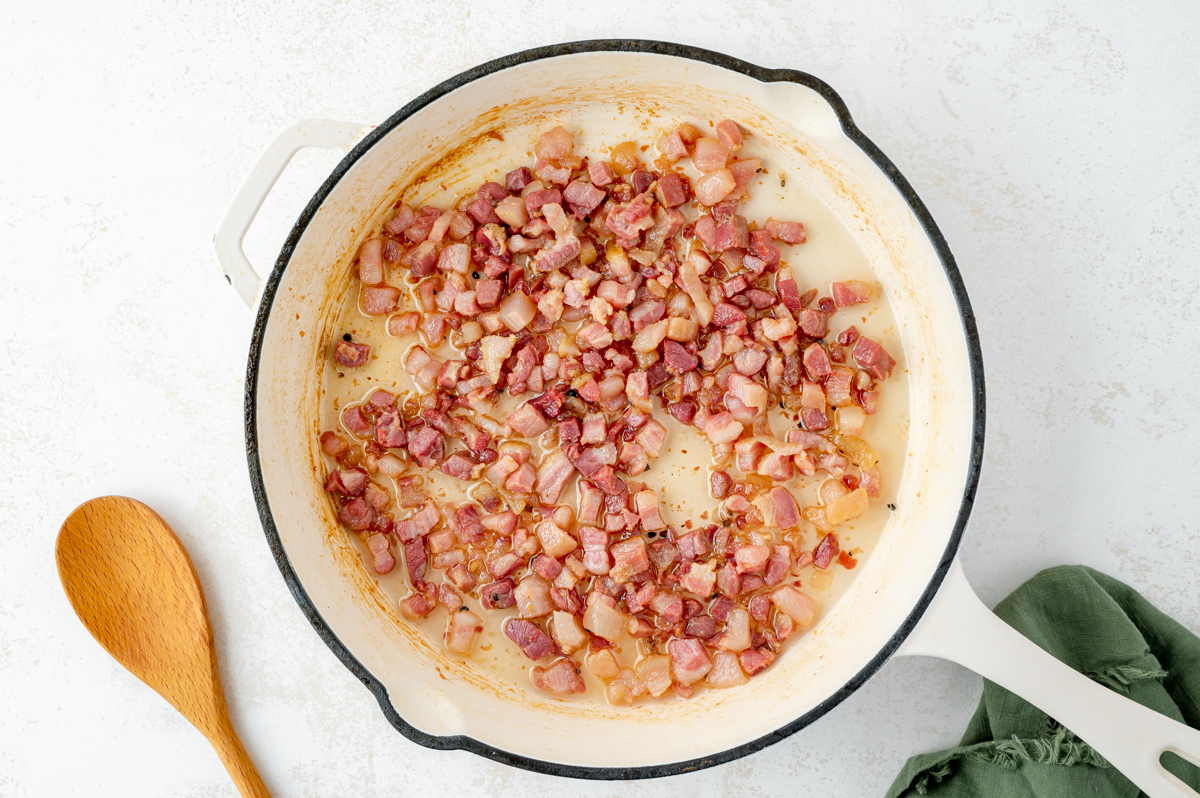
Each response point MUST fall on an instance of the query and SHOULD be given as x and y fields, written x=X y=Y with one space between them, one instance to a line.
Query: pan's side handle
x=324 y=133
x=958 y=627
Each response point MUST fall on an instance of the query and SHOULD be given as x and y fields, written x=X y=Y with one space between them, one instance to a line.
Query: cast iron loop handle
x=324 y=133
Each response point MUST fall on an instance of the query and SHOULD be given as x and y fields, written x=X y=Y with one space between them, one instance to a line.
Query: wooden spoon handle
x=241 y=769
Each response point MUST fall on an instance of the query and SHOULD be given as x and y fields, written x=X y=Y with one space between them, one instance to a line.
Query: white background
x=1055 y=144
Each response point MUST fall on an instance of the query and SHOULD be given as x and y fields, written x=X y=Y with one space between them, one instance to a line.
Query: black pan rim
x=970 y=333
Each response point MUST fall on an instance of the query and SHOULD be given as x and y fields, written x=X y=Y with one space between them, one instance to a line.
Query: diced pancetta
x=561 y=678
x=584 y=283
x=778 y=508
x=689 y=660
x=873 y=358
x=532 y=641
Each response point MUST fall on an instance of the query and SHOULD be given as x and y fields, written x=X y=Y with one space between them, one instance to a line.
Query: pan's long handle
x=958 y=627
x=326 y=133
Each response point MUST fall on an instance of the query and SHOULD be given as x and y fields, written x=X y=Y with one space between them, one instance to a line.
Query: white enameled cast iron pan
x=910 y=597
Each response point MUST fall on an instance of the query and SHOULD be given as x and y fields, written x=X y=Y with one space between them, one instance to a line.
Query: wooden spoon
x=133 y=585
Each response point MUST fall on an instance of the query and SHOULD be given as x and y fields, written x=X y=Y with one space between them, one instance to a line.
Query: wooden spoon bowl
x=131 y=582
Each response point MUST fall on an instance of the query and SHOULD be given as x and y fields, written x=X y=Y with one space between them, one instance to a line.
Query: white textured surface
x=1055 y=146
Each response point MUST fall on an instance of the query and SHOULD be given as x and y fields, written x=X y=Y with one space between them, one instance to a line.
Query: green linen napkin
x=1102 y=628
